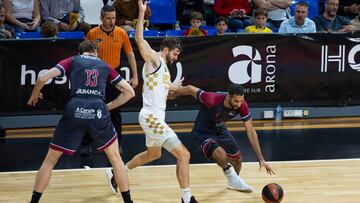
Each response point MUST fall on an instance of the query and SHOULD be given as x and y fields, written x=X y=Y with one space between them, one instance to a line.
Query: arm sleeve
x=244 y=112
x=64 y=66
x=114 y=76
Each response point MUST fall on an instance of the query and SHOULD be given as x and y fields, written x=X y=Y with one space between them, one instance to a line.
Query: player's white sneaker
x=111 y=180
x=239 y=184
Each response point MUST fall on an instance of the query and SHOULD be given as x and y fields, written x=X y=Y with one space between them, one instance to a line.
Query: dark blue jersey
x=213 y=114
x=88 y=76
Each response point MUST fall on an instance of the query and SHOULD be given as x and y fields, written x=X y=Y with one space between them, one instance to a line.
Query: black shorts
x=81 y=116
x=210 y=141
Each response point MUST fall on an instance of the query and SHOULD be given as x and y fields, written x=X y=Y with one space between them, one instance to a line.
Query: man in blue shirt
x=299 y=23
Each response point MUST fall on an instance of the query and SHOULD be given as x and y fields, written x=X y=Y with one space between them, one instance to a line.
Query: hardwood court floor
x=336 y=180
x=331 y=181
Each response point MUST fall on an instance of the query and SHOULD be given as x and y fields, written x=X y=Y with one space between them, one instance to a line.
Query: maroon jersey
x=213 y=114
x=88 y=76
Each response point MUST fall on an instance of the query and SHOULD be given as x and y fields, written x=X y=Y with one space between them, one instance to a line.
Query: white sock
x=186 y=194
x=230 y=173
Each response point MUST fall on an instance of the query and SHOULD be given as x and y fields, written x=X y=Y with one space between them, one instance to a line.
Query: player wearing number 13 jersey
x=85 y=112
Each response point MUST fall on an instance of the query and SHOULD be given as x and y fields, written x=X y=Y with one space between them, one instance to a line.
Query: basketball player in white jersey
x=157 y=88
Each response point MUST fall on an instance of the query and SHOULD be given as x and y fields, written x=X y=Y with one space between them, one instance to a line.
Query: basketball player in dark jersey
x=85 y=111
x=213 y=137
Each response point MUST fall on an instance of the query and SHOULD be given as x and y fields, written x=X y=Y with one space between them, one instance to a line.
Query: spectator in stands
x=356 y=21
x=238 y=12
x=48 y=29
x=330 y=22
x=127 y=13
x=68 y=15
x=5 y=30
x=349 y=8
x=195 y=29
x=299 y=23
x=260 y=21
x=221 y=25
x=23 y=15
x=278 y=11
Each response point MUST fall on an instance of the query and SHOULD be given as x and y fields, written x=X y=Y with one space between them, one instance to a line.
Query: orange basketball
x=272 y=193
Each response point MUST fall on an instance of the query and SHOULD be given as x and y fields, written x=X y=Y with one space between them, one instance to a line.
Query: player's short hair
x=236 y=89
x=87 y=46
x=171 y=43
x=261 y=12
x=222 y=19
x=106 y=8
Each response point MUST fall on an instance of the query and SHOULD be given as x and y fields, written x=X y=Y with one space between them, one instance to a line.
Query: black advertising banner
x=313 y=69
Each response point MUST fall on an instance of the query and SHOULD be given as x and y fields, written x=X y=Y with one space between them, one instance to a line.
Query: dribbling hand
x=34 y=99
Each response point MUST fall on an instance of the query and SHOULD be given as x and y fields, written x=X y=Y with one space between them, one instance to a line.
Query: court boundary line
x=202 y=164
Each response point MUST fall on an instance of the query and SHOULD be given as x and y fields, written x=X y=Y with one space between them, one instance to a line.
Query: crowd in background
x=205 y=18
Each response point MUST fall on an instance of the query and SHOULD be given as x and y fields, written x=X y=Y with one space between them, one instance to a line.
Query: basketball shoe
x=235 y=182
x=192 y=200
x=111 y=180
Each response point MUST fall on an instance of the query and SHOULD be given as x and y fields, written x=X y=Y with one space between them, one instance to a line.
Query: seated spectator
x=278 y=11
x=221 y=25
x=238 y=12
x=6 y=32
x=67 y=15
x=127 y=14
x=260 y=21
x=349 y=8
x=23 y=15
x=356 y=21
x=48 y=30
x=330 y=22
x=299 y=23
x=195 y=21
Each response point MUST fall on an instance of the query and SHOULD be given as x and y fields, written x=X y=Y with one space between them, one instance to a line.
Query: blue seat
x=211 y=32
x=313 y=7
x=174 y=32
x=151 y=33
x=27 y=35
x=163 y=12
x=71 y=35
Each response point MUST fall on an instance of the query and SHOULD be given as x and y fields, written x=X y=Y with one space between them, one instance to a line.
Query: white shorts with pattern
x=156 y=130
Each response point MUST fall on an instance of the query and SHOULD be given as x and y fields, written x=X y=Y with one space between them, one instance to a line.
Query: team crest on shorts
x=99 y=113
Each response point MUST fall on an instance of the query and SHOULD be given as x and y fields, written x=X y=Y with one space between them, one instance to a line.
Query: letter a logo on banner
x=238 y=71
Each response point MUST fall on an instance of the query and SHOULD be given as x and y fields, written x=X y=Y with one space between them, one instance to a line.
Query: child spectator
x=49 y=29
x=260 y=20
x=221 y=25
x=5 y=30
x=195 y=21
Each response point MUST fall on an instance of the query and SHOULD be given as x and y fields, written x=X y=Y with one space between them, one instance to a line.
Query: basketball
x=272 y=193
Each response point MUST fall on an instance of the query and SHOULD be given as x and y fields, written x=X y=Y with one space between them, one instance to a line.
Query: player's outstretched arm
x=188 y=90
x=254 y=141
x=127 y=92
x=147 y=53
x=40 y=83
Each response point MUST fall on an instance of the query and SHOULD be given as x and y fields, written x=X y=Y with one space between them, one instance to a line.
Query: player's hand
x=267 y=166
x=34 y=98
x=142 y=5
x=134 y=82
